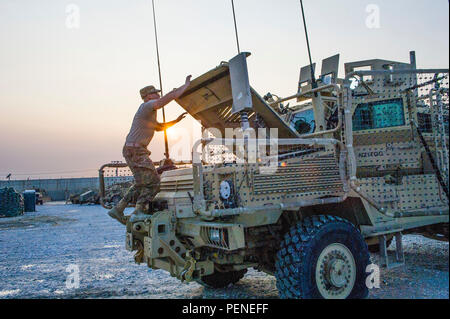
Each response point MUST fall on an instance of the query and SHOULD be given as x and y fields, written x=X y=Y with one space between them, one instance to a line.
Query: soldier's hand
x=188 y=79
x=182 y=116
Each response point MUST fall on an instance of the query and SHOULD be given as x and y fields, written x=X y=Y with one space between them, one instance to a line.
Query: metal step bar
x=399 y=254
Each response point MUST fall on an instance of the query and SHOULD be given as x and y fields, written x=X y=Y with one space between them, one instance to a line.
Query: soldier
x=136 y=154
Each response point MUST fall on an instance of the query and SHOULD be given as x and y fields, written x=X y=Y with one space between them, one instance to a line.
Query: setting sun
x=173 y=133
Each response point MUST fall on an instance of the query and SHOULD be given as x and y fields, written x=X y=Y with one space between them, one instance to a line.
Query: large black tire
x=318 y=236
x=222 y=279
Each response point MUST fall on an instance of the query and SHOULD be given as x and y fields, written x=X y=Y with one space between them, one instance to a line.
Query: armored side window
x=379 y=114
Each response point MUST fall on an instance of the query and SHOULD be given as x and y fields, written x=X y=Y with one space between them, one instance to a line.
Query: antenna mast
x=313 y=78
x=235 y=27
x=166 y=144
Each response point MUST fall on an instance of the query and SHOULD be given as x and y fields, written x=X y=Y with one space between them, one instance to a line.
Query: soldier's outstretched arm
x=161 y=126
x=176 y=93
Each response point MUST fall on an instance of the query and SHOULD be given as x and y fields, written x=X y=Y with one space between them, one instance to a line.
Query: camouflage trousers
x=146 y=178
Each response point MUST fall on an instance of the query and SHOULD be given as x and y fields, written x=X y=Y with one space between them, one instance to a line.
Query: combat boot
x=117 y=212
x=140 y=214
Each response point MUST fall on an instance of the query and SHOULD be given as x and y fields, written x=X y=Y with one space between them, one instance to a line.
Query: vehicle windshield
x=303 y=121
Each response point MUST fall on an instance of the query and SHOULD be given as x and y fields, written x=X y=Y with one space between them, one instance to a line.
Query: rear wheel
x=222 y=279
x=322 y=257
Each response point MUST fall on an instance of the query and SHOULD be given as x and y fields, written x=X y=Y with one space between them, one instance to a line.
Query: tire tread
x=293 y=250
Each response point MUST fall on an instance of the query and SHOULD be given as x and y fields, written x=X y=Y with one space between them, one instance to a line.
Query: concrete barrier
x=60 y=189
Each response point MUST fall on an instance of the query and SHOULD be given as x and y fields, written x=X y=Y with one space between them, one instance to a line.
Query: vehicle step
x=399 y=253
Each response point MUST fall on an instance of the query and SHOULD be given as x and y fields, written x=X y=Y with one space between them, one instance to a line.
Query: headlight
x=225 y=190
x=227 y=194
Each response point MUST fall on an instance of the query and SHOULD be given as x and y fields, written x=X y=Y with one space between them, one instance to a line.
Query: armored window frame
x=364 y=116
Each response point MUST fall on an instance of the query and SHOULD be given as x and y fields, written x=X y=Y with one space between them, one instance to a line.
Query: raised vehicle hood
x=209 y=100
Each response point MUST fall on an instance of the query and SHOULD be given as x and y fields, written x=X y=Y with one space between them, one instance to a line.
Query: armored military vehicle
x=301 y=187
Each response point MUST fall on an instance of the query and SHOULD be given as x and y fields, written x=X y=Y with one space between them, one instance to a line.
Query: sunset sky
x=68 y=94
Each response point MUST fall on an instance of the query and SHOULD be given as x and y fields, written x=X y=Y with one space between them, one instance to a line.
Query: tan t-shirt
x=143 y=127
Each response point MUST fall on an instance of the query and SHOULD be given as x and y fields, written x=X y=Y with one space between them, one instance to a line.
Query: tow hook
x=189 y=268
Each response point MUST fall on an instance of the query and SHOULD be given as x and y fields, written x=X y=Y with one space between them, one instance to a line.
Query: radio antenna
x=313 y=78
x=166 y=144
x=235 y=27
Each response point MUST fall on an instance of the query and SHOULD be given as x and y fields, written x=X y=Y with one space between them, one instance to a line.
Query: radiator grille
x=313 y=175
x=174 y=185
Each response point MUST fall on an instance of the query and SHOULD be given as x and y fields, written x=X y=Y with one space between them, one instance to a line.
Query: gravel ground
x=37 y=249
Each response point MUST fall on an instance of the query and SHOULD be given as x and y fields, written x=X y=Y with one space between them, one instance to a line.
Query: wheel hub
x=335 y=271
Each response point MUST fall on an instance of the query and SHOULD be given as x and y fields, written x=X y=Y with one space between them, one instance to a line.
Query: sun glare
x=173 y=132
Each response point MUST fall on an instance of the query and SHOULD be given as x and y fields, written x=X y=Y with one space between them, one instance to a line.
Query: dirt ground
x=38 y=250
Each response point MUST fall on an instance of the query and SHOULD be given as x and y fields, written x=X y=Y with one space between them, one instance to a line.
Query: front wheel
x=322 y=257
